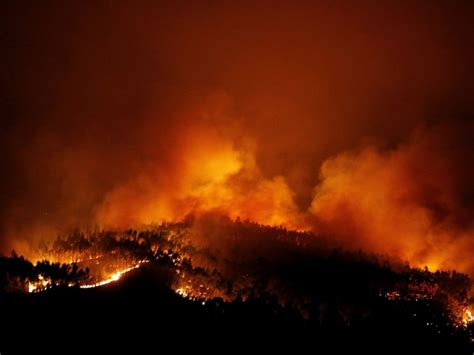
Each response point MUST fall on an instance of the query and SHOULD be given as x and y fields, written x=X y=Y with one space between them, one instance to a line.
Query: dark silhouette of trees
x=19 y=275
x=263 y=272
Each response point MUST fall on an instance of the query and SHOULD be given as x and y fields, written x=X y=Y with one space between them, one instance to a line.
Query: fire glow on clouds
x=358 y=129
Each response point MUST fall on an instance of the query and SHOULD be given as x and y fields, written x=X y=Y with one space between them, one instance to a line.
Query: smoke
x=116 y=115
x=209 y=173
x=414 y=201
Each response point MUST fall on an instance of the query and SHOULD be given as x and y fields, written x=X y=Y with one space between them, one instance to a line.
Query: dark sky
x=104 y=103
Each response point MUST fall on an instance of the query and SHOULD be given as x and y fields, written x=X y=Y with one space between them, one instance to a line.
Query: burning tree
x=19 y=275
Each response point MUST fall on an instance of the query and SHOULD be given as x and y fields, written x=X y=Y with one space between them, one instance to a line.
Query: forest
x=244 y=268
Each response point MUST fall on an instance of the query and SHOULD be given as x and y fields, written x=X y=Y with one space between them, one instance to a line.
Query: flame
x=40 y=285
x=43 y=284
x=182 y=292
x=372 y=199
x=32 y=287
x=115 y=276
x=468 y=317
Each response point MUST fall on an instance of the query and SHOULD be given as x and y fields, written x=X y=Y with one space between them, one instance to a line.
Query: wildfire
x=40 y=285
x=182 y=292
x=187 y=292
x=195 y=289
x=115 y=276
x=45 y=283
x=468 y=317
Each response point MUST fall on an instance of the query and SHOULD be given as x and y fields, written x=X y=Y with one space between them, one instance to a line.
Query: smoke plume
x=350 y=120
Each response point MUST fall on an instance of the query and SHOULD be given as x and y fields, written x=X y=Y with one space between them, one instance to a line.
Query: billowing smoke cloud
x=208 y=173
x=414 y=201
x=116 y=115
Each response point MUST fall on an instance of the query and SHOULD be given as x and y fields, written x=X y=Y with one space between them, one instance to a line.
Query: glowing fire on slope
x=115 y=276
x=191 y=250
x=40 y=285
x=44 y=284
x=188 y=292
x=468 y=317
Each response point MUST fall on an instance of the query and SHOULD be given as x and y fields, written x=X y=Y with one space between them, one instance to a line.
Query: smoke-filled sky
x=352 y=119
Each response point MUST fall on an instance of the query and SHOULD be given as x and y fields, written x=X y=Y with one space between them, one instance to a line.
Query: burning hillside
x=297 y=163
x=213 y=257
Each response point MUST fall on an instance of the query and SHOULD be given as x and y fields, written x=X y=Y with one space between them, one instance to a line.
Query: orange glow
x=227 y=109
x=213 y=175
x=467 y=317
x=44 y=284
x=373 y=199
x=40 y=285
x=115 y=276
x=400 y=202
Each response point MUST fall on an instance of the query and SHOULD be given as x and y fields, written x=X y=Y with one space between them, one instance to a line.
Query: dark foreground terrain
x=142 y=311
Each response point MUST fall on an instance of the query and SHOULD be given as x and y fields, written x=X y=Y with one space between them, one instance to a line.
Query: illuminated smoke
x=211 y=175
x=225 y=109
x=413 y=201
